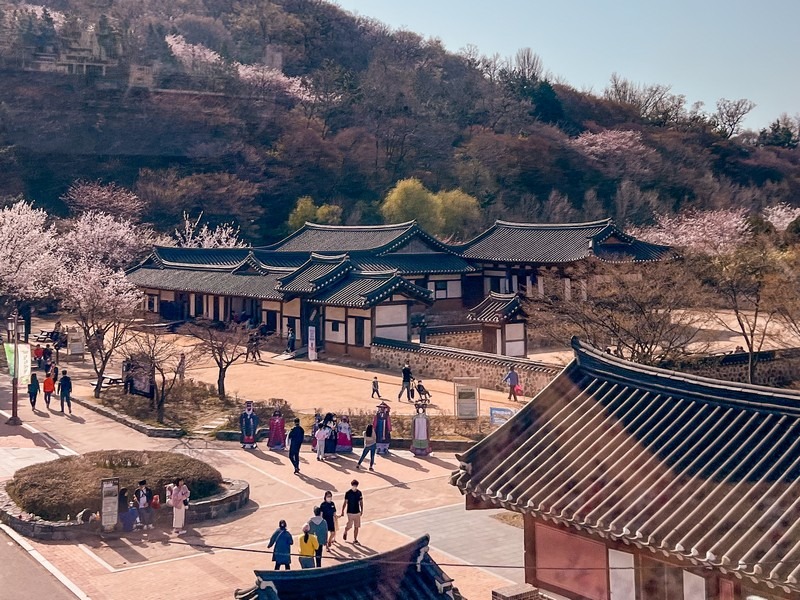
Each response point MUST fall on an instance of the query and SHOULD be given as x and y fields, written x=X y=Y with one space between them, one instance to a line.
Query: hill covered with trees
x=271 y=111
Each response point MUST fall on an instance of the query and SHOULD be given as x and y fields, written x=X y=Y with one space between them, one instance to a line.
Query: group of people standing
x=319 y=532
x=54 y=380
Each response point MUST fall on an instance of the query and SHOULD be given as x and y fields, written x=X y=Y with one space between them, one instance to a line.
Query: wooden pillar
x=530 y=550
x=346 y=329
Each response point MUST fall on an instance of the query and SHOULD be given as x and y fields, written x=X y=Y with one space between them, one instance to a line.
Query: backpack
x=155 y=503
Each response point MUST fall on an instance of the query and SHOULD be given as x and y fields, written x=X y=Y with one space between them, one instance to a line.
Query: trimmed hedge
x=66 y=486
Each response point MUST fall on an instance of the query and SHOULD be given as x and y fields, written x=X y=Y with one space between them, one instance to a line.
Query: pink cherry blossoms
x=706 y=232
x=199 y=59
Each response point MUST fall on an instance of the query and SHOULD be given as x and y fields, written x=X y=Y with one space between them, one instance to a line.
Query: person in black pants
x=296 y=437
x=407 y=378
x=65 y=391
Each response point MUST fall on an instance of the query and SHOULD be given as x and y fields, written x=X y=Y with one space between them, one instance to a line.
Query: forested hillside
x=240 y=108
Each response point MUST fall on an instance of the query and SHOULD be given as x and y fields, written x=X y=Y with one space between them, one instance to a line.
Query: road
x=21 y=577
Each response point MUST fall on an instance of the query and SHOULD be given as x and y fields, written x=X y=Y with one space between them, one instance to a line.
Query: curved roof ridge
x=578 y=225
x=316 y=256
x=385 y=226
x=746 y=395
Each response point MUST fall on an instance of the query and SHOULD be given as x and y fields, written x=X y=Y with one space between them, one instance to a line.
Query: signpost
x=312 y=342
x=467 y=396
x=498 y=416
x=109 y=504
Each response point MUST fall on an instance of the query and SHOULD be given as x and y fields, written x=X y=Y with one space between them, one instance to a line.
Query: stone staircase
x=206 y=429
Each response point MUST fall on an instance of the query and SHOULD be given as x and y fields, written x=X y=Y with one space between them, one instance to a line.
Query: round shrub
x=66 y=486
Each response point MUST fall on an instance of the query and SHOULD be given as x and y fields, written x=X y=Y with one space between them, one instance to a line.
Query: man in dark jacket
x=296 y=437
x=407 y=378
x=65 y=391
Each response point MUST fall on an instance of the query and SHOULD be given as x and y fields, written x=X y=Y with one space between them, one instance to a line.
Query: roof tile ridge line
x=408 y=234
x=382 y=227
x=311 y=260
x=576 y=225
x=251 y=260
x=673 y=379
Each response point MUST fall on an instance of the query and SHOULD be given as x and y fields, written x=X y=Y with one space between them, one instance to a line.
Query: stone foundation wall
x=776 y=368
x=440 y=362
x=467 y=337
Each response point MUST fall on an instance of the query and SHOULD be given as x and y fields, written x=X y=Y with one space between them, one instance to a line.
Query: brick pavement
x=216 y=557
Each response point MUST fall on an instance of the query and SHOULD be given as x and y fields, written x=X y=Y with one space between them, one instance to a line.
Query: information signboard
x=467 y=397
x=312 y=342
x=499 y=415
x=109 y=504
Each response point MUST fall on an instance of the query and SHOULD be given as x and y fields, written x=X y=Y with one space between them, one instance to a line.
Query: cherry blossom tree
x=103 y=239
x=87 y=196
x=103 y=303
x=781 y=215
x=712 y=232
x=27 y=253
x=193 y=235
x=615 y=152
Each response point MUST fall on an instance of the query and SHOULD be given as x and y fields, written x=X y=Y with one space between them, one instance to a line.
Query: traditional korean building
x=407 y=573
x=509 y=256
x=354 y=283
x=503 y=324
x=638 y=483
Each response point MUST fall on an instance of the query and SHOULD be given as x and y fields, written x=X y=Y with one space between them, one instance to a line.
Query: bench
x=45 y=336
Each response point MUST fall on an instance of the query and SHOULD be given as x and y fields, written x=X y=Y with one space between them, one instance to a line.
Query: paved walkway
x=214 y=558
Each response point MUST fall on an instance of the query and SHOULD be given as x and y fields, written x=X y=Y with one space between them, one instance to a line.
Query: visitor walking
x=354 y=503
x=143 y=496
x=309 y=544
x=295 y=438
x=48 y=387
x=328 y=512
x=47 y=354
x=319 y=528
x=376 y=390
x=512 y=379
x=407 y=378
x=65 y=391
x=180 y=502
x=33 y=390
x=370 y=445
x=290 y=341
x=282 y=540
x=321 y=435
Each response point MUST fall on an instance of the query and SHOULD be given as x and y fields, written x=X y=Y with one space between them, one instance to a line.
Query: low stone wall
x=776 y=368
x=466 y=337
x=235 y=495
x=440 y=362
x=148 y=430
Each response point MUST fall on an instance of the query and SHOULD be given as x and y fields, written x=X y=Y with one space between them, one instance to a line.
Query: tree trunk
x=160 y=409
x=221 y=383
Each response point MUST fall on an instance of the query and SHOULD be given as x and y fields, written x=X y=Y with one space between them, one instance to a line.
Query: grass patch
x=189 y=405
x=65 y=486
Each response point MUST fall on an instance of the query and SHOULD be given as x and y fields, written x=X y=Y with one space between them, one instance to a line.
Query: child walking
x=376 y=389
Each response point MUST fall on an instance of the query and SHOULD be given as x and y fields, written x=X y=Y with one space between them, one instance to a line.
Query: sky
x=704 y=49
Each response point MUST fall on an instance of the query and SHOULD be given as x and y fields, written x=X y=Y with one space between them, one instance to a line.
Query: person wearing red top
x=48 y=387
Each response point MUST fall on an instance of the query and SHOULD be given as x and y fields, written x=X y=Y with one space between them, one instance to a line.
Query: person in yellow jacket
x=308 y=548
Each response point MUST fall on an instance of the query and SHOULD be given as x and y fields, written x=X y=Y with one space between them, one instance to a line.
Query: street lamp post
x=12 y=327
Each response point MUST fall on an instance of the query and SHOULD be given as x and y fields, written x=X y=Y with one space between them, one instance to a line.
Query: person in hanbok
x=248 y=425
x=344 y=441
x=382 y=426
x=314 y=428
x=329 y=422
x=277 y=432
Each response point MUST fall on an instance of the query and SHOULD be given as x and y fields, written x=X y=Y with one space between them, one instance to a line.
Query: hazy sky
x=705 y=49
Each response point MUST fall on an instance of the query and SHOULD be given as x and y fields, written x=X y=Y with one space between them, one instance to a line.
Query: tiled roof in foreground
x=558 y=243
x=207 y=282
x=364 y=290
x=406 y=573
x=496 y=308
x=701 y=469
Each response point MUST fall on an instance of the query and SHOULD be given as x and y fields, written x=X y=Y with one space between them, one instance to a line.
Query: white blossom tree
x=109 y=198
x=710 y=232
x=194 y=235
x=27 y=254
x=103 y=303
x=104 y=239
x=781 y=215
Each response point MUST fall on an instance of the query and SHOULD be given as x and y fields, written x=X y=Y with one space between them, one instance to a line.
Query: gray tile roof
x=556 y=243
x=704 y=470
x=341 y=238
x=317 y=273
x=207 y=282
x=405 y=573
x=363 y=290
x=497 y=308
x=209 y=257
